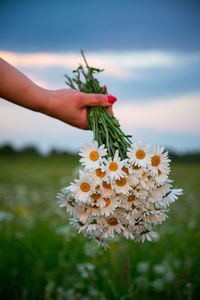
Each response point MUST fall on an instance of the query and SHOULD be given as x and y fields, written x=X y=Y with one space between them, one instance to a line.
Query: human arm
x=69 y=106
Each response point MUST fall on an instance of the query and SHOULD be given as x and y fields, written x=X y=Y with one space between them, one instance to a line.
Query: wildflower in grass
x=82 y=188
x=159 y=161
x=123 y=188
x=114 y=167
x=139 y=155
x=110 y=205
x=111 y=226
x=92 y=155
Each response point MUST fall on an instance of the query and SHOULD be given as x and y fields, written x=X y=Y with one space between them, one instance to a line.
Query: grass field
x=42 y=257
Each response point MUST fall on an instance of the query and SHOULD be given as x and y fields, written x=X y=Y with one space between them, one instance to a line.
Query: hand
x=70 y=106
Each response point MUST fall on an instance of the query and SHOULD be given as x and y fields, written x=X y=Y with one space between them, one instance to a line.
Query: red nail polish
x=112 y=99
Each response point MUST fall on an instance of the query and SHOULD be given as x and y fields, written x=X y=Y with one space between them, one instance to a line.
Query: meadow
x=43 y=257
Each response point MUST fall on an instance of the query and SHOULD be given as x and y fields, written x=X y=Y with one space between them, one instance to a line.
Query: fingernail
x=112 y=99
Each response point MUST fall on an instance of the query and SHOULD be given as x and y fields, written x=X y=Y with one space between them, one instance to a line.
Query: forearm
x=17 y=88
x=69 y=106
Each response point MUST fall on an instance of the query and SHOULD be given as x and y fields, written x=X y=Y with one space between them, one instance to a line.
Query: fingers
x=97 y=99
x=109 y=108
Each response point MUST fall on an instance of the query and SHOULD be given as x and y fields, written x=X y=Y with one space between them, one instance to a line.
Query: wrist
x=44 y=105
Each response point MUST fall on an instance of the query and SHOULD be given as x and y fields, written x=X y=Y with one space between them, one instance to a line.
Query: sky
x=150 y=51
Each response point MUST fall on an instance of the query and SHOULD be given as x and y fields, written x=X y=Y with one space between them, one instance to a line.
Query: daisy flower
x=160 y=192
x=128 y=234
x=82 y=188
x=160 y=178
x=140 y=192
x=133 y=216
x=109 y=206
x=92 y=155
x=154 y=216
x=98 y=175
x=110 y=226
x=93 y=211
x=159 y=161
x=106 y=189
x=139 y=155
x=148 y=235
x=170 y=198
x=114 y=167
x=70 y=206
x=122 y=185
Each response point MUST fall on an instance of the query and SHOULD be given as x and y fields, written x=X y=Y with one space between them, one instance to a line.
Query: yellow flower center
x=131 y=198
x=121 y=182
x=155 y=160
x=106 y=185
x=113 y=166
x=125 y=170
x=97 y=187
x=112 y=221
x=85 y=187
x=94 y=206
x=94 y=155
x=135 y=168
x=100 y=174
x=140 y=154
x=107 y=200
x=71 y=203
x=95 y=196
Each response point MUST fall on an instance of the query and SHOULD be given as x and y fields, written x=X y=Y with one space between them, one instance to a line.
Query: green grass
x=42 y=257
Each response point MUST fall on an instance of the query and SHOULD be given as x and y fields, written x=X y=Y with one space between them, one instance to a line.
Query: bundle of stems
x=106 y=128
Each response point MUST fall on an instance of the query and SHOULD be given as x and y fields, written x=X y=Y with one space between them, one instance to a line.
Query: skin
x=69 y=106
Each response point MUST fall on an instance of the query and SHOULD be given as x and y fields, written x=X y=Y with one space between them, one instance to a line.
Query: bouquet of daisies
x=123 y=187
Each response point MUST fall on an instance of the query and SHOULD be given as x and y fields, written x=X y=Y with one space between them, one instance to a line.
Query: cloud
x=116 y=64
x=175 y=114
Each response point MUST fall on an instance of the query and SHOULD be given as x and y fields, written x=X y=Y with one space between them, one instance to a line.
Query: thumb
x=98 y=100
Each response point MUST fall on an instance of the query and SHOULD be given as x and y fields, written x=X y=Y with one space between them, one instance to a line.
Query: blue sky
x=150 y=51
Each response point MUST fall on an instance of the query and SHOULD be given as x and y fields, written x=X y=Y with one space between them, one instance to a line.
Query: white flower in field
x=138 y=171
x=134 y=179
x=160 y=192
x=98 y=176
x=65 y=200
x=139 y=228
x=92 y=155
x=159 y=161
x=97 y=199
x=170 y=198
x=147 y=181
x=120 y=197
x=83 y=215
x=75 y=222
x=128 y=234
x=139 y=155
x=110 y=226
x=140 y=192
x=89 y=228
x=149 y=235
x=161 y=178
x=114 y=167
x=82 y=188
x=107 y=189
x=70 y=206
x=93 y=211
x=154 y=216
x=122 y=185
x=132 y=202
x=109 y=206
